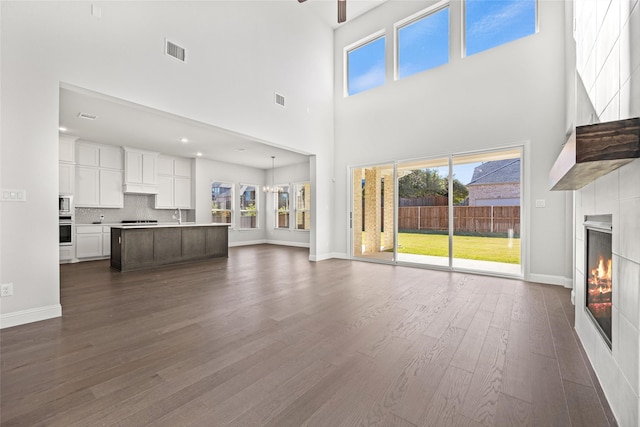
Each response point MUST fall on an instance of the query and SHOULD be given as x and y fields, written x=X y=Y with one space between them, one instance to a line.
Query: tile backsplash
x=136 y=206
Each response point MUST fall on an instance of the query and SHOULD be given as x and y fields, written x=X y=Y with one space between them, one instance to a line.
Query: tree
x=422 y=183
x=427 y=182
x=460 y=192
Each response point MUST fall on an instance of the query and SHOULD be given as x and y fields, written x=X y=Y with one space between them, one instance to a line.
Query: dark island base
x=140 y=248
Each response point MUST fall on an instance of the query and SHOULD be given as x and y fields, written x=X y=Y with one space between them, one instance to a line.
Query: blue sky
x=464 y=172
x=490 y=23
x=424 y=44
x=366 y=66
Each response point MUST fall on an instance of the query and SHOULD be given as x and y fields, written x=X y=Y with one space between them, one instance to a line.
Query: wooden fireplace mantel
x=593 y=151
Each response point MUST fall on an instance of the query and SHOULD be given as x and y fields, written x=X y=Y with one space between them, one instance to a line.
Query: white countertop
x=168 y=225
x=119 y=224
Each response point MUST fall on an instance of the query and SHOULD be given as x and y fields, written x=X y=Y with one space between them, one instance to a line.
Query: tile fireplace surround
x=618 y=370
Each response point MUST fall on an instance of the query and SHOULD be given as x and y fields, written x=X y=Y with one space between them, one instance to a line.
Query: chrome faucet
x=178 y=215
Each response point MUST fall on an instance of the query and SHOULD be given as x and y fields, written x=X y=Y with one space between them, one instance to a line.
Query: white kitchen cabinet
x=66 y=181
x=87 y=188
x=66 y=168
x=165 y=165
x=97 y=187
x=89 y=245
x=98 y=155
x=98 y=176
x=89 y=241
x=66 y=149
x=182 y=192
x=140 y=175
x=111 y=157
x=93 y=241
x=182 y=167
x=164 y=198
x=111 y=189
x=174 y=183
x=87 y=154
x=66 y=253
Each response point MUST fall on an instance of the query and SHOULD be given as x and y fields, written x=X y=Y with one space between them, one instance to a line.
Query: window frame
x=434 y=8
x=356 y=45
x=257 y=206
x=231 y=211
x=463 y=29
x=307 y=209
x=276 y=199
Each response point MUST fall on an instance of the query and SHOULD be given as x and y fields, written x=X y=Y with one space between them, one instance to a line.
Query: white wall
x=607 y=39
x=503 y=96
x=238 y=54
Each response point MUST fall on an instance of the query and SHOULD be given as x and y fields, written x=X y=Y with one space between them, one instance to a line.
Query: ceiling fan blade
x=342 y=11
x=301 y=1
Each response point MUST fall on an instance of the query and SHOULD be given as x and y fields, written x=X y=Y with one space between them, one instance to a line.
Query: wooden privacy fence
x=424 y=201
x=472 y=219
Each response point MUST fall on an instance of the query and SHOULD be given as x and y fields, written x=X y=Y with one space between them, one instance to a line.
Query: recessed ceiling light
x=62 y=129
x=199 y=154
x=184 y=140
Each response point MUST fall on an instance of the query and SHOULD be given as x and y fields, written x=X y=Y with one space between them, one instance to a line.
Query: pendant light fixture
x=272 y=188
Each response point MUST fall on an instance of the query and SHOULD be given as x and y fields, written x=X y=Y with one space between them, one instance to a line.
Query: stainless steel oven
x=66 y=230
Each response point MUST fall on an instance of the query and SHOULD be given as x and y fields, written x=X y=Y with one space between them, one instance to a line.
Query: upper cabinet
x=66 y=149
x=66 y=158
x=140 y=171
x=98 y=176
x=174 y=183
x=98 y=155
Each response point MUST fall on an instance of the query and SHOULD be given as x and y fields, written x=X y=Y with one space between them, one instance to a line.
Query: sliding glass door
x=459 y=212
x=423 y=212
x=486 y=200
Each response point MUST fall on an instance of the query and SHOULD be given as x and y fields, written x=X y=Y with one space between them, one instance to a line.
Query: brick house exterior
x=495 y=183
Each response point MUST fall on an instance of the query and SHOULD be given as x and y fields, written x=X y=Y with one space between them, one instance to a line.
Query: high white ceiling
x=123 y=123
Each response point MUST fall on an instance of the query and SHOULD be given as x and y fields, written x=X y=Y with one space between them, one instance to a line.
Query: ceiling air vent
x=176 y=51
x=87 y=116
x=279 y=99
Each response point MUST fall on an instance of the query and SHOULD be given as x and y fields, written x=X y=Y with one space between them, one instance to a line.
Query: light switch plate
x=540 y=203
x=6 y=289
x=13 y=195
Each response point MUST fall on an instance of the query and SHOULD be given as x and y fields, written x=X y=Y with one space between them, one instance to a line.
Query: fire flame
x=601 y=273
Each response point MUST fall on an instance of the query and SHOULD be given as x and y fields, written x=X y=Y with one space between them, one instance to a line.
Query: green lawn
x=467 y=247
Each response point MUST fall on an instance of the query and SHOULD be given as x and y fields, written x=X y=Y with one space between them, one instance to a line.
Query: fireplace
x=599 y=280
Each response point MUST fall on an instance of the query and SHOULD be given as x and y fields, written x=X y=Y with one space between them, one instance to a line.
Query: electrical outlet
x=6 y=289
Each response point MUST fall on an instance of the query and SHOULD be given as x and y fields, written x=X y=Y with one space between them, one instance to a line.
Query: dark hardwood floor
x=267 y=338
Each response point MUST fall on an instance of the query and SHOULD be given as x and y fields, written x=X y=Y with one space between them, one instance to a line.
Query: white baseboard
x=340 y=255
x=320 y=257
x=284 y=243
x=247 y=243
x=567 y=282
x=31 y=315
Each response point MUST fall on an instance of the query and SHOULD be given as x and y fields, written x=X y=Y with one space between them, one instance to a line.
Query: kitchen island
x=146 y=246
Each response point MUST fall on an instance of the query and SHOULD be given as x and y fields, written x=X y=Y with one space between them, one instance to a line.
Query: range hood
x=593 y=151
